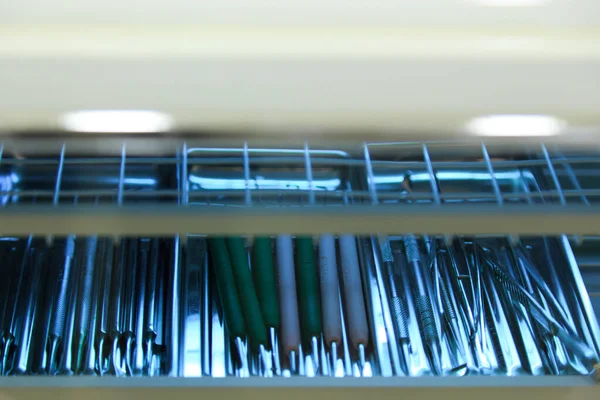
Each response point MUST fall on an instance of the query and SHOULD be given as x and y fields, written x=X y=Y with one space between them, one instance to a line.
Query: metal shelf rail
x=162 y=203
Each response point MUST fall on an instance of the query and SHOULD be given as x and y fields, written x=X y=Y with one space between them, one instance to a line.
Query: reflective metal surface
x=434 y=305
x=494 y=311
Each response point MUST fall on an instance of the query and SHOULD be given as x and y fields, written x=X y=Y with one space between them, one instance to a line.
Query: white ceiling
x=331 y=13
x=421 y=66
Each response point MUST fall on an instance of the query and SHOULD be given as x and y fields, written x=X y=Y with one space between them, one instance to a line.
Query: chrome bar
x=432 y=178
x=490 y=169
x=555 y=179
x=247 y=175
x=370 y=176
x=184 y=199
x=59 y=174
x=121 y=176
x=309 y=174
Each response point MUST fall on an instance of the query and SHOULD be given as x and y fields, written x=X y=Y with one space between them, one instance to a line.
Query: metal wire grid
x=400 y=180
x=121 y=180
x=536 y=175
x=75 y=180
x=267 y=177
x=572 y=179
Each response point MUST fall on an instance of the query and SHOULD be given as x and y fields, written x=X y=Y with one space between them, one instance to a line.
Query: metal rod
x=309 y=174
x=247 y=175
x=370 y=176
x=59 y=174
x=174 y=302
x=490 y=167
x=121 y=175
x=184 y=199
x=432 y=178
x=550 y=165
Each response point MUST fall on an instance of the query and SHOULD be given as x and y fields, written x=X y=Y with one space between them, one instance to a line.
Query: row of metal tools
x=284 y=305
x=488 y=306
x=86 y=306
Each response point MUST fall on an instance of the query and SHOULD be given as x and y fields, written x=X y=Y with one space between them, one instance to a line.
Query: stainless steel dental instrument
x=398 y=308
x=60 y=305
x=423 y=304
x=330 y=298
x=290 y=321
x=519 y=294
x=357 y=327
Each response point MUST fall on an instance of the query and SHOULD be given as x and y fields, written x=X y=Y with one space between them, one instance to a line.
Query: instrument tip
x=275 y=350
x=266 y=359
x=116 y=357
x=293 y=365
x=315 y=352
x=6 y=350
x=129 y=349
x=435 y=360
x=406 y=357
x=334 y=355
x=148 y=350
x=244 y=370
x=362 y=358
x=53 y=360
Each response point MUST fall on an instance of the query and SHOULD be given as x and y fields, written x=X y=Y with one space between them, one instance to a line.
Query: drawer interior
x=285 y=305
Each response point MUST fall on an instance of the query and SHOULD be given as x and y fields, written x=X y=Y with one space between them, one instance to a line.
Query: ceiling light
x=515 y=125
x=116 y=121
